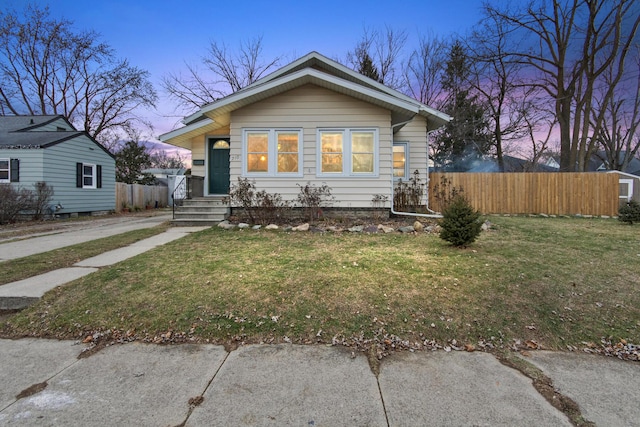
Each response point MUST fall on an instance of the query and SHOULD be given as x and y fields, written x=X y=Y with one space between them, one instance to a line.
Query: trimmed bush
x=460 y=222
x=629 y=212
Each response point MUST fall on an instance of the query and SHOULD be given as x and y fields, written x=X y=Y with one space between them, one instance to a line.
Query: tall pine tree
x=465 y=138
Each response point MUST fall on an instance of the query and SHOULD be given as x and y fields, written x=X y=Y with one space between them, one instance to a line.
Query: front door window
x=219 y=166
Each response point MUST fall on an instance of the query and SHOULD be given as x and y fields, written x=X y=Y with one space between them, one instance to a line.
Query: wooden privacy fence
x=140 y=196
x=533 y=193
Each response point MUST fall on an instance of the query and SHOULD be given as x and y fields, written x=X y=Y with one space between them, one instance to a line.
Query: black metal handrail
x=186 y=190
x=181 y=190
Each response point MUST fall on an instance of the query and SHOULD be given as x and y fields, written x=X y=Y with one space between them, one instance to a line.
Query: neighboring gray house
x=50 y=149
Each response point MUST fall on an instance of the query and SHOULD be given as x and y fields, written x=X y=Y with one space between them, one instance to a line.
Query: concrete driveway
x=33 y=240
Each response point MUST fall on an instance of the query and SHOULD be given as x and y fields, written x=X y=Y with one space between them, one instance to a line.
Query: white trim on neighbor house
x=271 y=155
x=93 y=176
x=347 y=153
x=629 y=194
x=6 y=170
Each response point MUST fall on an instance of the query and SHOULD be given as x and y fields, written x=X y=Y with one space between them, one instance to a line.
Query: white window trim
x=94 y=177
x=346 y=153
x=8 y=171
x=272 y=153
x=627 y=197
x=406 y=160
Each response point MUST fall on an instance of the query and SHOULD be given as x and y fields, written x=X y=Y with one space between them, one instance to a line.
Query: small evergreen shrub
x=629 y=212
x=460 y=222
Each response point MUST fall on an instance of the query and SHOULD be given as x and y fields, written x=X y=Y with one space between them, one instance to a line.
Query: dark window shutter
x=79 y=175
x=99 y=176
x=15 y=170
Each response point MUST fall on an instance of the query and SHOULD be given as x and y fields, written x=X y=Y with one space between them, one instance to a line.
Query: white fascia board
x=630 y=175
x=342 y=68
x=309 y=75
x=438 y=116
x=189 y=128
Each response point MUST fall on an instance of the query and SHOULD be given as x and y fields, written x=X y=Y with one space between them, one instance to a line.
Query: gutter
x=393 y=211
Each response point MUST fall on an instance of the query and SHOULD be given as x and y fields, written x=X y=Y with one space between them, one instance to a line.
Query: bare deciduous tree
x=383 y=49
x=423 y=71
x=618 y=137
x=496 y=78
x=48 y=68
x=571 y=44
x=225 y=72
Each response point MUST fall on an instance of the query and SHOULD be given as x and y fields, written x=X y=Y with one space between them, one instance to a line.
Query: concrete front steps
x=202 y=211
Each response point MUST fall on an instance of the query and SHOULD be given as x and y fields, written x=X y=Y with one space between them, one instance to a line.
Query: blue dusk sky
x=161 y=35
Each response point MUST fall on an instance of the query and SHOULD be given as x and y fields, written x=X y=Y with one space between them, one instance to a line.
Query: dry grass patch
x=22 y=268
x=556 y=281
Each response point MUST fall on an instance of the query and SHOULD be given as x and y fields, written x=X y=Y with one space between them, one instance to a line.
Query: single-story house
x=312 y=121
x=49 y=149
x=629 y=186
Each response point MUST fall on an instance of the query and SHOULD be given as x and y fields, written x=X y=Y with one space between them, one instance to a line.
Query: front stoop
x=202 y=211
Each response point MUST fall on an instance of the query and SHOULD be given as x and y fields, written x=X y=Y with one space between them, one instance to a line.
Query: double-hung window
x=348 y=152
x=88 y=175
x=4 y=170
x=400 y=161
x=272 y=152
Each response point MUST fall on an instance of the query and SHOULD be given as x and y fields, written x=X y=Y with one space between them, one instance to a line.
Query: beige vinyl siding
x=310 y=108
x=415 y=133
x=199 y=150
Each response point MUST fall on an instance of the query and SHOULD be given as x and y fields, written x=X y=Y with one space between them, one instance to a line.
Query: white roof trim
x=308 y=75
x=355 y=75
x=630 y=175
x=280 y=76
x=189 y=128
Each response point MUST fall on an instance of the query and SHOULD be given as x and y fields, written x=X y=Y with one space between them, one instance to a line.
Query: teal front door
x=219 y=166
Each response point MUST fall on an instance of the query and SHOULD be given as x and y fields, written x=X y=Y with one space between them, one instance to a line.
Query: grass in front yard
x=22 y=268
x=556 y=281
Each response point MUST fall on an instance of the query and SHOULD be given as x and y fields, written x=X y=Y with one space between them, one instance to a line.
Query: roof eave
x=178 y=136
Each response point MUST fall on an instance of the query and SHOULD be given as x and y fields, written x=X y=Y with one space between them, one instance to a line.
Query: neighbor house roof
x=310 y=69
x=24 y=132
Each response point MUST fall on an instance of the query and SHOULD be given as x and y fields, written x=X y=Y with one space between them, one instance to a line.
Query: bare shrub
x=42 y=195
x=312 y=199
x=13 y=201
x=407 y=196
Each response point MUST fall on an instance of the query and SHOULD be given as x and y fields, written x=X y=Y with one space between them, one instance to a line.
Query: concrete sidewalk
x=290 y=385
x=20 y=294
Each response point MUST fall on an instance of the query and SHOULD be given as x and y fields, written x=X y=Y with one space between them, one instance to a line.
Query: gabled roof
x=310 y=69
x=20 y=132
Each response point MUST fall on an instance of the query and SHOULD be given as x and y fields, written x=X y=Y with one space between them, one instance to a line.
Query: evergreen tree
x=366 y=67
x=466 y=135
x=131 y=159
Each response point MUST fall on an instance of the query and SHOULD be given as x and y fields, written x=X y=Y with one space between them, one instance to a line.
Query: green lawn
x=554 y=281
x=22 y=268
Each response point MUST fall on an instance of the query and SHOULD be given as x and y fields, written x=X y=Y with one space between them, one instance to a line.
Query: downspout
x=393 y=211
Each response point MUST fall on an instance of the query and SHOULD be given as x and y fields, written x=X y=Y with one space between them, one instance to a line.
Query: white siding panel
x=311 y=107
